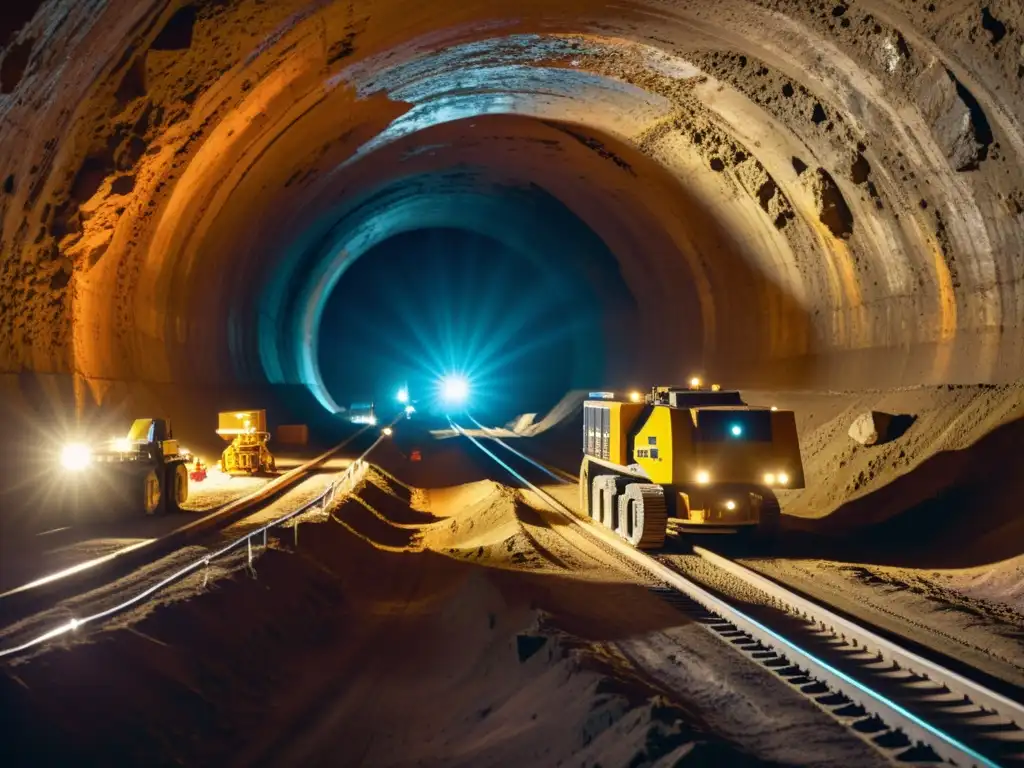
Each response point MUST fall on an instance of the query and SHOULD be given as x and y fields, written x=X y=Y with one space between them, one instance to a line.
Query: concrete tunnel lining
x=766 y=114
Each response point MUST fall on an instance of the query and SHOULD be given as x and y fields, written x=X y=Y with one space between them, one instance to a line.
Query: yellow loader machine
x=702 y=456
x=145 y=471
x=248 y=452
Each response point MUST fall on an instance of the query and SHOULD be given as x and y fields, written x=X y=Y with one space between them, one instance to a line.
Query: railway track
x=911 y=708
x=90 y=585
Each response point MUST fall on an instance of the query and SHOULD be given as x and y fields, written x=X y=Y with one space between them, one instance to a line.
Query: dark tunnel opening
x=428 y=303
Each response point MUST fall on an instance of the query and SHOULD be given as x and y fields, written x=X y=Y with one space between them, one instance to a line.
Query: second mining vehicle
x=700 y=455
x=146 y=471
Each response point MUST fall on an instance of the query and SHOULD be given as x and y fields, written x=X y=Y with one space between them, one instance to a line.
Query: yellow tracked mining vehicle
x=702 y=456
x=248 y=453
x=143 y=472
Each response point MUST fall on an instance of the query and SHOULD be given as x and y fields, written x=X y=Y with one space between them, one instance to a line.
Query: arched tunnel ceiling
x=797 y=192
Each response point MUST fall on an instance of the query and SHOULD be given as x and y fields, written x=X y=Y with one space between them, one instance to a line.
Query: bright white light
x=454 y=389
x=372 y=421
x=769 y=478
x=703 y=477
x=695 y=383
x=122 y=445
x=403 y=395
x=775 y=407
x=387 y=431
x=635 y=396
x=736 y=430
x=409 y=409
x=730 y=505
x=783 y=478
x=75 y=456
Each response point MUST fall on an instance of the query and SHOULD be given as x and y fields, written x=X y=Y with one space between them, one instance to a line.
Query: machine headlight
x=635 y=397
x=783 y=478
x=769 y=478
x=75 y=457
x=703 y=477
x=387 y=431
x=730 y=505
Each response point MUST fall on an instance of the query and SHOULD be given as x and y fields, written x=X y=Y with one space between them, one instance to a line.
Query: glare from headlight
x=122 y=445
x=75 y=457
x=769 y=478
x=783 y=478
x=703 y=477
x=730 y=505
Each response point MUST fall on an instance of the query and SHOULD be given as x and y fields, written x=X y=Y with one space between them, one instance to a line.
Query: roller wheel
x=604 y=507
x=643 y=515
x=176 y=487
x=151 y=493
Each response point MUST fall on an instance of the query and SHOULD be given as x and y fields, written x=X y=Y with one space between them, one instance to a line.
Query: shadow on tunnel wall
x=956 y=509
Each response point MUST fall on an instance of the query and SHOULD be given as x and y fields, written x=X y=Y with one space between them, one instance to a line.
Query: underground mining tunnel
x=296 y=205
x=792 y=194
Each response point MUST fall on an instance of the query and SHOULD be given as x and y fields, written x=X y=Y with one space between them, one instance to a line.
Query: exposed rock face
x=871 y=428
x=950 y=118
x=176 y=175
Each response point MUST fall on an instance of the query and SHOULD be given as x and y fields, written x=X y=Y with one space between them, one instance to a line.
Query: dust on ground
x=459 y=611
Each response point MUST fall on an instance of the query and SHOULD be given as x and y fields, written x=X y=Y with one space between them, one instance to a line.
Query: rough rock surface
x=797 y=194
x=871 y=428
x=950 y=117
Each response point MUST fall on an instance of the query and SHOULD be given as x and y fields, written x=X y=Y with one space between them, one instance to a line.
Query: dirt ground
x=920 y=535
x=440 y=617
x=446 y=625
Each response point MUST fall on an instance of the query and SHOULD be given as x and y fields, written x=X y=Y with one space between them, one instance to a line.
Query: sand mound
x=942 y=494
x=430 y=660
x=392 y=500
x=361 y=518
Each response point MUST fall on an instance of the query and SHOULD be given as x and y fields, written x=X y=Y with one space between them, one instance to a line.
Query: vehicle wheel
x=643 y=515
x=604 y=502
x=177 y=487
x=151 y=493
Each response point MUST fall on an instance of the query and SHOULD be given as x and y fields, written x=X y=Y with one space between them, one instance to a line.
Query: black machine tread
x=650 y=512
x=611 y=484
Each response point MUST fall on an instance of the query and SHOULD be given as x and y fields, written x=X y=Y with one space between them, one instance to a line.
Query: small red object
x=198 y=473
x=415 y=456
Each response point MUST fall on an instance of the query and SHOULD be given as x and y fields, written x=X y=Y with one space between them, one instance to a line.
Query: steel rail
x=323 y=500
x=891 y=712
x=974 y=692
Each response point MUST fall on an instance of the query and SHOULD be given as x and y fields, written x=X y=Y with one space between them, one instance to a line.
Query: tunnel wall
x=802 y=195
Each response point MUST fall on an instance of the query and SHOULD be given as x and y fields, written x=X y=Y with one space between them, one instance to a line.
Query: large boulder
x=871 y=428
x=949 y=116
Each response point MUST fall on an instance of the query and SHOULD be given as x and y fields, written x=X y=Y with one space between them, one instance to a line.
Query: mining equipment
x=699 y=455
x=144 y=471
x=248 y=453
x=362 y=413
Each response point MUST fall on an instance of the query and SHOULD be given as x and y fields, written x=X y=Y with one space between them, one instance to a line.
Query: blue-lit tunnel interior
x=450 y=272
x=431 y=303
